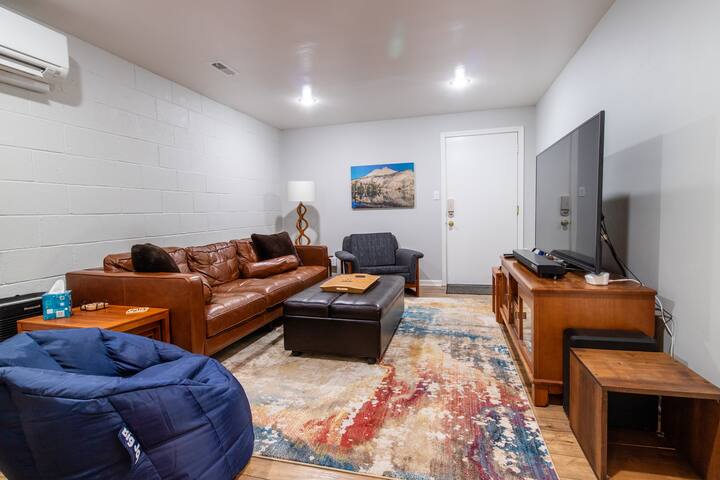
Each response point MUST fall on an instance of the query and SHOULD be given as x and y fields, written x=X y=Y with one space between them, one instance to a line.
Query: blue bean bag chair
x=92 y=403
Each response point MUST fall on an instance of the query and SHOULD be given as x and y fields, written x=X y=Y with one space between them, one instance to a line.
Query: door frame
x=443 y=182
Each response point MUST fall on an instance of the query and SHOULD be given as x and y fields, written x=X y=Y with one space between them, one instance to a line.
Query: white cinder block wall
x=117 y=155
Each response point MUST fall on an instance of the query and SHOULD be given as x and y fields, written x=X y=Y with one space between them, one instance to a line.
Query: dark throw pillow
x=274 y=245
x=151 y=258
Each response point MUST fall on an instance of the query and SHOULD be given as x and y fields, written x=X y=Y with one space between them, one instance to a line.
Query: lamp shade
x=301 y=191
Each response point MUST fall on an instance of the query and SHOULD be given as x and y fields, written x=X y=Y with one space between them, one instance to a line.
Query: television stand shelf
x=536 y=312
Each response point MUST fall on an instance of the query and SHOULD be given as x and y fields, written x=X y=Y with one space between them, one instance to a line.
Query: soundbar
x=540 y=265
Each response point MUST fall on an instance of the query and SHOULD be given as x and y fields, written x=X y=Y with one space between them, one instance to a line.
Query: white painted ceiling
x=366 y=59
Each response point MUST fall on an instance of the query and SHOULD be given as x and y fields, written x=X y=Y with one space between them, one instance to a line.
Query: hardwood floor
x=261 y=468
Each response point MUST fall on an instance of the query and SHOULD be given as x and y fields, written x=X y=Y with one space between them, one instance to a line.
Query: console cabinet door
x=525 y=325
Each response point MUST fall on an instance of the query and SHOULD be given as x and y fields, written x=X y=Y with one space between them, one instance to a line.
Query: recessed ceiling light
x=461 y=80
x=307 y=99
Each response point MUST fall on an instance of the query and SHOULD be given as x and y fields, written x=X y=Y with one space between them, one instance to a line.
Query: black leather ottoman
x=350 y=324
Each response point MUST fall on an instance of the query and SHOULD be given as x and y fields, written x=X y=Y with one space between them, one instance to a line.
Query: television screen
x=568 y=202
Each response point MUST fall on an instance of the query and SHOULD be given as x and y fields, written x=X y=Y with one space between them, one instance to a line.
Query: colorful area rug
x=446 y=402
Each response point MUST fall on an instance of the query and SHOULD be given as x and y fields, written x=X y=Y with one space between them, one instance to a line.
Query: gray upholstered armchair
x=378 y=254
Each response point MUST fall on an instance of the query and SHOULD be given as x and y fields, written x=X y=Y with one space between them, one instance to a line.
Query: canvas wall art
x=387 y=185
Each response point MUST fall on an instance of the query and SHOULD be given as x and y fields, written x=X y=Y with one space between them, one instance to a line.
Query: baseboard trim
x=431 y=283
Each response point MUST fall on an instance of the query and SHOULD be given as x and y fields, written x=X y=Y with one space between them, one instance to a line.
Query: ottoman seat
x=351 y=324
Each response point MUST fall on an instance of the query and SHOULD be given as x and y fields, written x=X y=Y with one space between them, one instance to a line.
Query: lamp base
x=301 y=225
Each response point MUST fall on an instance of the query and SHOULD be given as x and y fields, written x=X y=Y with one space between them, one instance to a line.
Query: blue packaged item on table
x=57 y=303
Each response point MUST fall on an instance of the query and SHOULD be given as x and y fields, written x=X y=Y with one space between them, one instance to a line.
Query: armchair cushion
x=401 y=270
x=373 y=249
x=269 y=267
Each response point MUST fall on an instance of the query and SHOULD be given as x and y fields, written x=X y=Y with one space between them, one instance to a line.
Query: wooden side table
x=155 y=323
x=690 y=447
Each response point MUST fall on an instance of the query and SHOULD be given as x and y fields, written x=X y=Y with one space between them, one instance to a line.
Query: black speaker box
x=639 y=412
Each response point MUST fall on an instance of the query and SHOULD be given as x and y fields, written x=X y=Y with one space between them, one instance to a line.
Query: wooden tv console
x=536 y=312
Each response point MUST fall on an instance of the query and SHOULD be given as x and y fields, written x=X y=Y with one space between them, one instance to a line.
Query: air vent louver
x=223 y=68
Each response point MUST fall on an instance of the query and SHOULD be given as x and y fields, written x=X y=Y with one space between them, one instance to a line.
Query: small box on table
x=57 y=305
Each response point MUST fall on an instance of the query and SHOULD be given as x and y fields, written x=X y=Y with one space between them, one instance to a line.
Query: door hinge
x=517 y=210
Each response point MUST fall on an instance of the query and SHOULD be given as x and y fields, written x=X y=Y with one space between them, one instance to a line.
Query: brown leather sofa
x=222 y=293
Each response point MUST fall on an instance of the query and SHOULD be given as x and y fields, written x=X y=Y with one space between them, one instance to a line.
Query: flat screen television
x=568 y=199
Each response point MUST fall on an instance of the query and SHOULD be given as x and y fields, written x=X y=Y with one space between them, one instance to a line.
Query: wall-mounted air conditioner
x=31 y=55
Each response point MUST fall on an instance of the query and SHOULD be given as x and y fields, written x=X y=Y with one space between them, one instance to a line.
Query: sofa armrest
x=181 y=293
x=347 y=257
x=313 y=255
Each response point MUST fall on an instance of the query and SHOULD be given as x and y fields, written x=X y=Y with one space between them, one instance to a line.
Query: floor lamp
x=301 y=191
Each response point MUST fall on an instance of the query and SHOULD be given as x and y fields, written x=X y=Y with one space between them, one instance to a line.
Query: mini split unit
x=32 y=56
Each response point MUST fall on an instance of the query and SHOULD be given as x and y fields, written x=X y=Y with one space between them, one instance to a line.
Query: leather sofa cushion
x=227 y=310
x=310 y=274
x=217 y=262
x=180 y=257
x=118 y=262
x=246 y=250
x=313 y=255
x=122 y=262
x=270 y=267
x=276 y=288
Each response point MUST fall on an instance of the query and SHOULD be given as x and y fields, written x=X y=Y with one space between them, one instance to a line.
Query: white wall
x=654 y=66
x=117 y=155
x=325 y=155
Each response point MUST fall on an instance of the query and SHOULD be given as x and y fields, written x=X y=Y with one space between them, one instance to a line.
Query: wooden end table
x=690 y=446
x=155 y=323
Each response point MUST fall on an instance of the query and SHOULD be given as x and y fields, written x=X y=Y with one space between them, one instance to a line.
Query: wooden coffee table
x=155 y=323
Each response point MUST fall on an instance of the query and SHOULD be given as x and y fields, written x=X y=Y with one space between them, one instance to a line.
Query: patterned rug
x=446 y=402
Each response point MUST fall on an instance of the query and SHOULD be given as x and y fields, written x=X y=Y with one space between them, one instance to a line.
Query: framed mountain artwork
x=387 y=185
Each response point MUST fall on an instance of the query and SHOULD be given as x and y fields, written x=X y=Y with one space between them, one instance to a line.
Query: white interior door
x=482 y=187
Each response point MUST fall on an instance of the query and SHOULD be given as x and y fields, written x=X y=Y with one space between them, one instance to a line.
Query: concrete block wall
x=117 y=155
